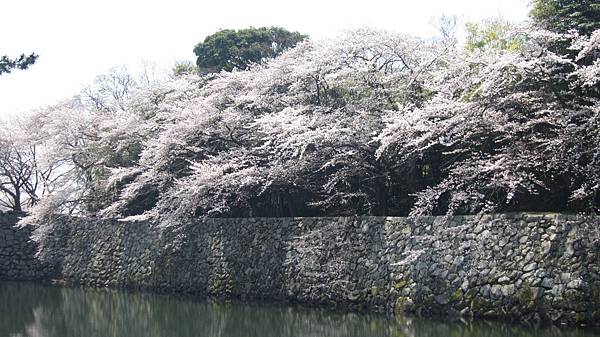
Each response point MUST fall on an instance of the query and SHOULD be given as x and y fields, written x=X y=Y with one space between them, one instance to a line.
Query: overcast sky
x=79 y=39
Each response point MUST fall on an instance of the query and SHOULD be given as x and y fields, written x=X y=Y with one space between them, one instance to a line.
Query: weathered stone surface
x=17 y=251
x=521 y=266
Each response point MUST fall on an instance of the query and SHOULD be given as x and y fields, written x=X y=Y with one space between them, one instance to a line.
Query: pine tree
x=22 y=62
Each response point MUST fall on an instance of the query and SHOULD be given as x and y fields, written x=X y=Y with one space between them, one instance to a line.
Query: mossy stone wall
x=522 y=266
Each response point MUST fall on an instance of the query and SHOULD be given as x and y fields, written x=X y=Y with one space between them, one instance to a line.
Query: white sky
x=79 y=39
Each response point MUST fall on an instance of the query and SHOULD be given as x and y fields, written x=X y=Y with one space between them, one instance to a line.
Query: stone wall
x=17 y=251
x=532 y=267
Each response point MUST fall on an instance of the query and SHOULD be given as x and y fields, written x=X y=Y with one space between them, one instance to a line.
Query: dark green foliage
x=229 y=49
x=22 y=62
x=564 y=15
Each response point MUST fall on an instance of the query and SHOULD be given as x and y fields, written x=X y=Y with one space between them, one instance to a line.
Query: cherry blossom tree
x=371 y=122
x=514 y=128
x=301 y=127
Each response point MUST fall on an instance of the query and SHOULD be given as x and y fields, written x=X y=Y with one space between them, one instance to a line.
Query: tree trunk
x=17 y=201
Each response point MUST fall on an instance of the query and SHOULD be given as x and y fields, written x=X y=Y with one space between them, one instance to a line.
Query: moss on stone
x=470 y=294
x=216 y=285
x=524 y=295
x=478 y=305
x=457 y=295
x=400 y=305
x=374 y=291
x=400 y=284
x=580 y=318
x=223 y=285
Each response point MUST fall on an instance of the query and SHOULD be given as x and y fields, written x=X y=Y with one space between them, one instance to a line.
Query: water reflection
x=34 y=310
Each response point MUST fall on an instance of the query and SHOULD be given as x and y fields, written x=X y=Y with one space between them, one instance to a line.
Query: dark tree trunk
x=17 y=201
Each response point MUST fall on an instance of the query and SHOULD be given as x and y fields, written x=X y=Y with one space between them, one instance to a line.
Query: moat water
x=34 y=310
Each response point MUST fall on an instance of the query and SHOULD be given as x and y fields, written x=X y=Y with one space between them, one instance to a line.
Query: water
x=28 y=309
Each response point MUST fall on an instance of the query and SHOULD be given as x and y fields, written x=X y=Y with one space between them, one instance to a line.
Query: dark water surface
x=28 y=309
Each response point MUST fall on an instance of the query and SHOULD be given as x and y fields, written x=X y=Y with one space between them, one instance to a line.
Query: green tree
x=22 y=62
x=491 y=34
x=184 y=68
x=229 y=49
x=563 y=15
